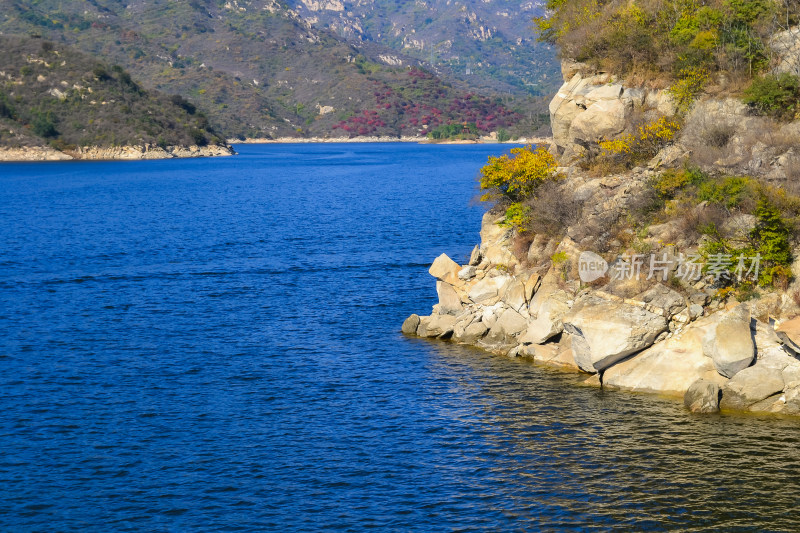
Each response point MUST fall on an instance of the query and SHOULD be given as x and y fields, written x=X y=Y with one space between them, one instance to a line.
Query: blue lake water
x=214 y=345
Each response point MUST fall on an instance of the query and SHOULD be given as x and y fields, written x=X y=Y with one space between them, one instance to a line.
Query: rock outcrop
x=593 y=106
x=672 y=332
x=658 y=341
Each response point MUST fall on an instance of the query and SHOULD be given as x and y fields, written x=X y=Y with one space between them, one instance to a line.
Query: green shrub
x=43 y=124
x=518 y=217
x=667 y=36
x=729 y=192
x=6 y=109
x=772 y=243
x=776 y=96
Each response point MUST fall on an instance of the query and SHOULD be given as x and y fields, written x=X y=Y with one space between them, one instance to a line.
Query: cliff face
x=633 y=308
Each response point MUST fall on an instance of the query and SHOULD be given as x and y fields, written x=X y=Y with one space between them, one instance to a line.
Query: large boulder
x=509 y=324
x=488 y=290
x=495 y=242
x=434 y=326
x=555 y=354
x=750 y=386
x=548 y=322
x=473 y=333
x=410 y=325
x=514 y=295
x=605 y=332
x=445 y=269
x=729 y=341
x=663 y=300
x=449 y=299
x=601 y=120
x=669 y=367
x=702 y=397
x=590 y=106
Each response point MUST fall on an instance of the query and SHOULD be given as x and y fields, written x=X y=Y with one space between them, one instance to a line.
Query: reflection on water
x=576 y=455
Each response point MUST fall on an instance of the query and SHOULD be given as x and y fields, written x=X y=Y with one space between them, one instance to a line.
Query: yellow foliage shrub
x=515 y=176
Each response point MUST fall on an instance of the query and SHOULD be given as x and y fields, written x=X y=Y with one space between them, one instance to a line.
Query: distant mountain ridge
x=486 y=43
x=258 y=68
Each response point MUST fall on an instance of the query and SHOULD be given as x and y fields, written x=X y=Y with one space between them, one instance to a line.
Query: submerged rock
x=702 y=397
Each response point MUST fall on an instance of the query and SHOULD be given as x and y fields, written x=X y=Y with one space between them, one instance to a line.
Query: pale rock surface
x=728 y=341
x=410 y=325
x=669 y=367
x=750 y=386
x=449 y=300
x=445 y=269
x=488 y=290
x=605 y=332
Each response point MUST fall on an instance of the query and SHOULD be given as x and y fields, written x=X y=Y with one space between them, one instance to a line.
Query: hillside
x=258 y=69
x=487 y=44
x=53 y=95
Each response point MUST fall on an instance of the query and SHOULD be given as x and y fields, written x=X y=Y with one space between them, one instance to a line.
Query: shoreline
x=366 y=140
x=116 y=153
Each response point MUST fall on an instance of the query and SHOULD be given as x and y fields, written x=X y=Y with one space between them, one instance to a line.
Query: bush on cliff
x=776 y=96
x=626 y=151
x=665 y=37
x=513 y=178
x=703 y=204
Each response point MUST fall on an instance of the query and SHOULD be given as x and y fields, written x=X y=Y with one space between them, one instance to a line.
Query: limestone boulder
x=750 y=386
x=495 y=240
x=436 y=326
x=555 y=353
x=475 y=256
x=702 y=397
x=488 y=290
x=602 y=119
x=548 y=322
x=509 y=324
x=663 y=300
x=445 y=269
x=605 y=332
x=514 y=295
x=410 y=325
x=669 y=367
x=729 y=342
x=467 y=273
x=473 y=333
x=449 y=299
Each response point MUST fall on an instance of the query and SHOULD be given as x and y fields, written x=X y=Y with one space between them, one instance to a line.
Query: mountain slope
x=255 y=66
x=55 y=95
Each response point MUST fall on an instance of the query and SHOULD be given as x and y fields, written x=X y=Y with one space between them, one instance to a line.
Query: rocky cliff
x=650 y=320
x=714 y=355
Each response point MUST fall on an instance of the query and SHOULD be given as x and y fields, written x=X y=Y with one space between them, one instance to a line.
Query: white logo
x=591 y=267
